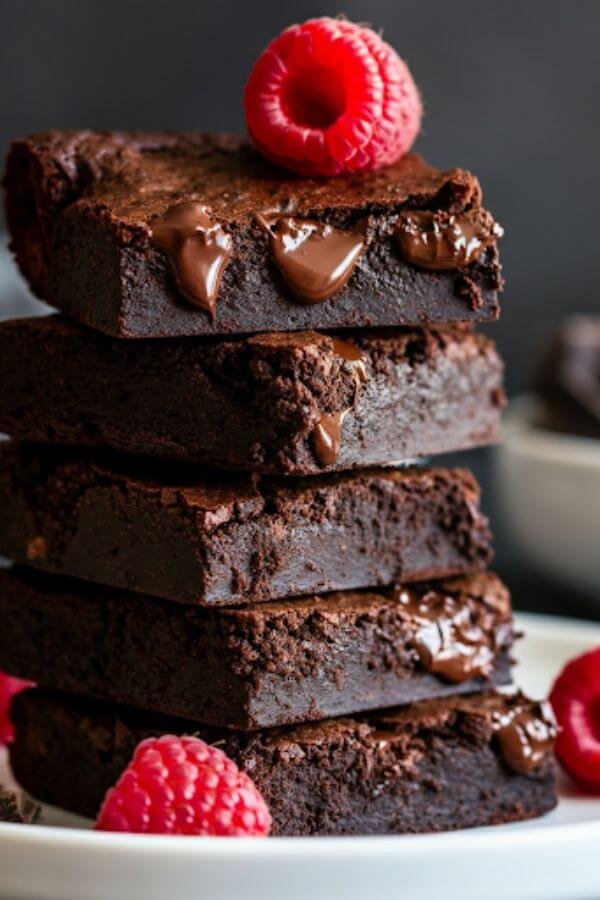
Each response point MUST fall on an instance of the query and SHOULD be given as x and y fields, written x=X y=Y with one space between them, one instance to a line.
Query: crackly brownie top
x=138 y=175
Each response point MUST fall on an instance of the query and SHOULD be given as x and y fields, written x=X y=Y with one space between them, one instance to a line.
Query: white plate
x=557 y=856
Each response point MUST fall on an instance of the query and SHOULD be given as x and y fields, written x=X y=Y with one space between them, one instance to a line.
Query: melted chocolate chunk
x=199 y=250
x=328 y=430
x=439 y=241
x=353 y=355
x=568 y=377
x=17 y=806
x=525 y=735
x=326 y=437
x=454 y=639
x=315 y=259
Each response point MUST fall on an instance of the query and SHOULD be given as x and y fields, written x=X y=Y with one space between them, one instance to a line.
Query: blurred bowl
x=549 y=494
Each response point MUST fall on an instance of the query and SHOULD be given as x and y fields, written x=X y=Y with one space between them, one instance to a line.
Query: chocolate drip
x=315 y=259
x=326 y=437
x=454 y=638
x=353 y=355
x=524 y=736
x=440 y=241
x=199 y=250
x=327 y=432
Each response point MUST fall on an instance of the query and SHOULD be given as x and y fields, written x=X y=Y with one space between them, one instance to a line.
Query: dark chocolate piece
x=252 y=404
x=432 y=766
x=252 y=667
x=182 y=536
x=525 y=739
x=82 y=208
x=17 y=807
x=568 y=377
x=450 y=641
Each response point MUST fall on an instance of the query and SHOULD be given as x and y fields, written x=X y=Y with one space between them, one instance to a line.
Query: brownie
x=432 y=766
x=295 y=403
x=17 y=807
x=174 y=234
x=177 y=533
x=253 y=667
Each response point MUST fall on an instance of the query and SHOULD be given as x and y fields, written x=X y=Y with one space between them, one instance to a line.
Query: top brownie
x=146 y=235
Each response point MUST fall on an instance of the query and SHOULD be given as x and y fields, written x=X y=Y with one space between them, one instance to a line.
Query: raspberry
x=180 y=785
x=329 y=97
x=575 y=698
x=9 y=686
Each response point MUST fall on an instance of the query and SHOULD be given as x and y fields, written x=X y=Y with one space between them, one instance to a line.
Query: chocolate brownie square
x=174 y=234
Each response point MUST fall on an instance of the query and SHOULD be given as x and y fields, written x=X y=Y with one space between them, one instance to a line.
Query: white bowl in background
x=548 y=487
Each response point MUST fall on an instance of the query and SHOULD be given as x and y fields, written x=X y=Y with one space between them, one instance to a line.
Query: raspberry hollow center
x=314 y=98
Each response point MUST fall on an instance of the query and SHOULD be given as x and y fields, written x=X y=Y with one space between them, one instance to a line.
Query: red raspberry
x=180 y=785
x=575 y=698
x=328 y=97
x=9 y=686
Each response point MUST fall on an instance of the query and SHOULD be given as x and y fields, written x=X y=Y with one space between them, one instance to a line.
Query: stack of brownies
x=207 y=491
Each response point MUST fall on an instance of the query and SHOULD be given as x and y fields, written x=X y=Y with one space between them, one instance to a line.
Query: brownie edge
x=284 y=661
x=81 y=206
x=433 y=766
x=181 y=535
x=280 y=404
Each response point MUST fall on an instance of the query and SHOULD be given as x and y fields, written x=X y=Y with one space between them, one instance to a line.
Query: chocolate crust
x=79 y=204
x=433 y=766
x=251 y=404
x=245 y=668
x=185 y=537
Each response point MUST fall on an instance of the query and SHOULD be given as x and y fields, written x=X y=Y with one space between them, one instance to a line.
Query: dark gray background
x=511 y=91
